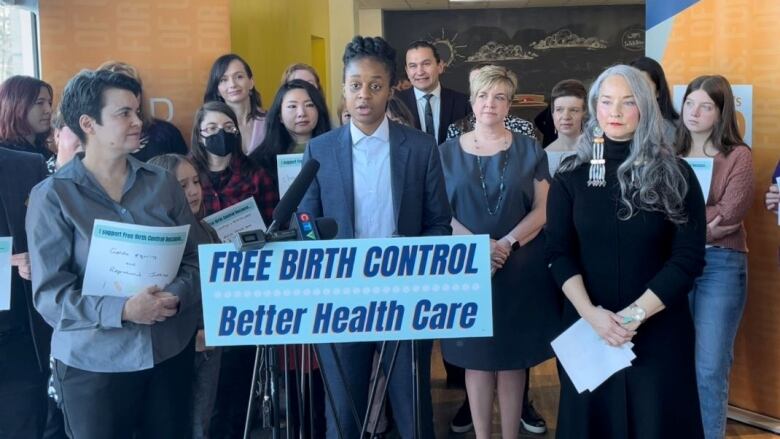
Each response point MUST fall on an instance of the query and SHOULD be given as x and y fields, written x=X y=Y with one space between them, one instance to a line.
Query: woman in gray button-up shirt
x=115 y=356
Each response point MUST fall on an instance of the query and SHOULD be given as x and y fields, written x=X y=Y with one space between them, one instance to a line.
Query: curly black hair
x=371 y=47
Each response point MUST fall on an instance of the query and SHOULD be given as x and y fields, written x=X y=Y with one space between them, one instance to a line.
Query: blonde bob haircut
x=491 y=76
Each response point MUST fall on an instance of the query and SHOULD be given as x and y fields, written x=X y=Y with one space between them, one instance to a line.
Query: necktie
x=429 y=115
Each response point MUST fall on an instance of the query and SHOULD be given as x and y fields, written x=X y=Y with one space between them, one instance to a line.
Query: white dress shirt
x=435 y=107
x=374 y=216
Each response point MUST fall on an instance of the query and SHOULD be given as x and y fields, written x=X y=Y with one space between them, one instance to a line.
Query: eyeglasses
x=214 y=129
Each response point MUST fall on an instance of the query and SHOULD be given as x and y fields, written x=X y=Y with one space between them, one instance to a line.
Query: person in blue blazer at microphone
x=377 y=179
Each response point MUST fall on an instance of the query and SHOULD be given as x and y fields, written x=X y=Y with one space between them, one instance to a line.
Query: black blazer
x=454 y=107
x=19 y=172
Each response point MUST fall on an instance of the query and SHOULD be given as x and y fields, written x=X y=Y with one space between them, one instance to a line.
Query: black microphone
x=292 y=198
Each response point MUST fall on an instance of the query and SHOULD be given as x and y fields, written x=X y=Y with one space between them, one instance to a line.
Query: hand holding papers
x=702 y=167
x=236 y=218
x=126 y=258
x=587 y=358
x=5 y=272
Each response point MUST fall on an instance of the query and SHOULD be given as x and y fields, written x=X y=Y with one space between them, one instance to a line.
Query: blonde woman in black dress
x=497 y=184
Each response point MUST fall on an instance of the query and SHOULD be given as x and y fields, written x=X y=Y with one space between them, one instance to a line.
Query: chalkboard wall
x=541 y=45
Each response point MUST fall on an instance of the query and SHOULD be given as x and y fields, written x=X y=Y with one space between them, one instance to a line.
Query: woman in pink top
x=717 y=300
x=231 y=81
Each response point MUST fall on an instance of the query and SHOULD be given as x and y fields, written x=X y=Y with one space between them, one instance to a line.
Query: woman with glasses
x=228 y=177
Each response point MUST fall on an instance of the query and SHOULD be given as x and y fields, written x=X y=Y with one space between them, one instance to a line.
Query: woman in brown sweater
x=717 y=300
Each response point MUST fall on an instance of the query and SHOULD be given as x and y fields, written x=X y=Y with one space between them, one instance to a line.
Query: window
x=18 y=42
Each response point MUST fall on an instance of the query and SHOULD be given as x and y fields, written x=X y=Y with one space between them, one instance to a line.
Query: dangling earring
x=597 y=170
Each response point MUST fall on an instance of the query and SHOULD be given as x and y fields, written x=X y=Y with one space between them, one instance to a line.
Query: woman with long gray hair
x=626 y=233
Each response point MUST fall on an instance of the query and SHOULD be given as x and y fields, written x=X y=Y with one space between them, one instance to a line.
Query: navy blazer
x=420 y=201
x=19 y=172
x=454 y=107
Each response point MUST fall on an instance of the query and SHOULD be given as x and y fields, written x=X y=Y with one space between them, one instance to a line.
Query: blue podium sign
x=347 y=291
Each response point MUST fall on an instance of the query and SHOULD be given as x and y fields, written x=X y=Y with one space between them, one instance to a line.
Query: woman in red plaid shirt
x=228 y=177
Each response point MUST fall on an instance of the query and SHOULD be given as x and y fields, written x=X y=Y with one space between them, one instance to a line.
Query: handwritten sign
x=347 y=290
x=125 y=258
x=702 y=167
x=288 y=166
x=236 y=218
x=6 y=248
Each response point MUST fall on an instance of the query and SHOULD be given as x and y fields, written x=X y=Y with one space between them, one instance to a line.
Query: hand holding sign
x=150 y=306
x=125 y=258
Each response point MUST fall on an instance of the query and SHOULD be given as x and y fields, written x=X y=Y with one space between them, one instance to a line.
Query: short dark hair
x=197 y=150
x=17 y=95
x=422 y=44
x=656 y=73
x=277 y=139
x=85 y=92
x=371 y=47
x=569 y=87
x=212 y=86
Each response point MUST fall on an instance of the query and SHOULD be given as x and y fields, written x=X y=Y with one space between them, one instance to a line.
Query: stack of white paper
x=587 y=358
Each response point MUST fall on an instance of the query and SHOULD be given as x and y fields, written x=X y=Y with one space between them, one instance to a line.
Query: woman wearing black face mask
x=227 y=176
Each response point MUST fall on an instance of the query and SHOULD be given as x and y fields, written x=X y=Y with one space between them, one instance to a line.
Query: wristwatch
x=512 y=242
x=637 y=313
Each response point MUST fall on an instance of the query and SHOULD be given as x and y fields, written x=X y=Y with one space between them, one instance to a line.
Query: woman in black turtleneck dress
x=626 y=251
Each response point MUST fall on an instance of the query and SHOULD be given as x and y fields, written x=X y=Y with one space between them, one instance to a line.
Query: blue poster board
x=347 y=291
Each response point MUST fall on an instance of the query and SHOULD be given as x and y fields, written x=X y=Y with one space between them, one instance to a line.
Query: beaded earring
x=597 y=169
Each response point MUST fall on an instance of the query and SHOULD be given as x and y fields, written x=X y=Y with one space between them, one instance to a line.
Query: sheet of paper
x=125 y=258
x=554 y=159
x=702 y=167
x=288 y=166
x=587 y=358
x=236 y=218
x=6 y=249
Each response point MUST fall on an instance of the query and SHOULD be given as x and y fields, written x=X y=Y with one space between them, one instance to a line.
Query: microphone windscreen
x=292 y=198
x=327 y=227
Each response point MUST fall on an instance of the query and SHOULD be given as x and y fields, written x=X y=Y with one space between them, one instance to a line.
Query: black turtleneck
x=616 y=150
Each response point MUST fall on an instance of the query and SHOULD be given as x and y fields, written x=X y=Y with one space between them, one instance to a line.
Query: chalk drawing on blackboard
x=449 y=50
x=633 y=39
x=566 y=39
x=492 y=51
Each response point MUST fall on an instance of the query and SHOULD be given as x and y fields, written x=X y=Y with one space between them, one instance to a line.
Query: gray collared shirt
x=89 y=333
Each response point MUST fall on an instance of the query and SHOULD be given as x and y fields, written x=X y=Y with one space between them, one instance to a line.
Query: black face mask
x=222 y=143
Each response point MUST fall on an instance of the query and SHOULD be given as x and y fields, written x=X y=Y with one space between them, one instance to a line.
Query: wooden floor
x=544 y=393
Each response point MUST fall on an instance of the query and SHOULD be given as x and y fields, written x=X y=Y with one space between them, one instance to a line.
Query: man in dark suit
x=427 y=99
x=24 y=336
x=377 y=179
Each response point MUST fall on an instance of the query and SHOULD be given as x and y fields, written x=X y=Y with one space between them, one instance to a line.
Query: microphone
x=292 y=198
x=303 y=226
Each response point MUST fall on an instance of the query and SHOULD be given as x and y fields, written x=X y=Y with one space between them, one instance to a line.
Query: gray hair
x=651 y=177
